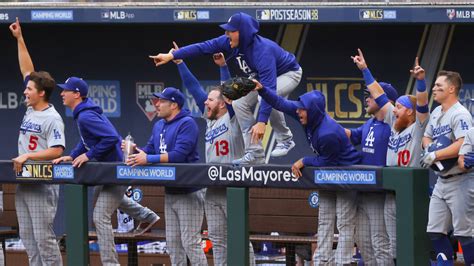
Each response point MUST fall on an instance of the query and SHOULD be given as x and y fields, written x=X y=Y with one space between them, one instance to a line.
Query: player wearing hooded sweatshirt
x=265 y=60
x=333 y=148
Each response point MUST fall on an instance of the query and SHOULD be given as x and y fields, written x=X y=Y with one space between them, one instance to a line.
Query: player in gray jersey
x=41 y=139
x=224 y=143
x=451 y=203
x=408 y=119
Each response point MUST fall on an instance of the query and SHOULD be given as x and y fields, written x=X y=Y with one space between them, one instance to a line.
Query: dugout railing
x=410 y=185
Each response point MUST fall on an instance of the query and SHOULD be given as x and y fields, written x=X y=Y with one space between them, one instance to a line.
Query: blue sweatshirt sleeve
x=356 y=135
x=186 y=142
x=328 y=154
x=193 y=85
x=107 y=136
x=281 y=104
x=219 y=44
x=149 y=147
x=78 y=150
x=267 y=73
x=225 y=73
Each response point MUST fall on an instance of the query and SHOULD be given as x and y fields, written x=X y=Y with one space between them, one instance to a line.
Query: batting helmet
x=440 y=143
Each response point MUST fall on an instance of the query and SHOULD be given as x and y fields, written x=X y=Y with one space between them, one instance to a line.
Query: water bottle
x=128 y=148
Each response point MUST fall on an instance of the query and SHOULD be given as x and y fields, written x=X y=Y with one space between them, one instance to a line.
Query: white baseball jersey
x=40 y=130
x=224 y=140
x=454 y=123
x=404 y=148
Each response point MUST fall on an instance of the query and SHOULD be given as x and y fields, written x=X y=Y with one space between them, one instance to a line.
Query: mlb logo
x=104 y=15
x=263 y=14
x=366 y=14
x=451 y=13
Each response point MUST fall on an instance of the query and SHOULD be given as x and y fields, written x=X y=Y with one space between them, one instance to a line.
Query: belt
x=449 y=176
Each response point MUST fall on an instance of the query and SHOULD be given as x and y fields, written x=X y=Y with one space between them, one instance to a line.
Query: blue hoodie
x=263 y=56
x=179 y=139
x=325 y=136
x=99 y=138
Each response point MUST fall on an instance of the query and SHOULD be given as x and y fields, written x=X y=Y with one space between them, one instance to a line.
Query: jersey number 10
x=403 y=158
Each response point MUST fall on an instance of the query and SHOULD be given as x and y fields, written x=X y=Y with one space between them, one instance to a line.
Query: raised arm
x=24 y=59
x=422 y=109
x=374 y=87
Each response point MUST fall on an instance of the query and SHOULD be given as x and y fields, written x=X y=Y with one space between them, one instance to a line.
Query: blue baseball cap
x=233 y=23
x=171 y=94
x=75 y=84
x=389 y=90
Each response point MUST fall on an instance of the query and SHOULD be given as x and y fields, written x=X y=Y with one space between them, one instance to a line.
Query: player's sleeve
x=107 y=136
x=219 y=44
x=267 y=73
x=55 y=133
x=279 y=103
x=328 y=155
x=356 y=135
x=429 y=129
x=186 y=141
x=224 y=73
x=78 y=150
x=149 y=148
x=389 y=116
x=462 y=124
x=468 y=143
x=193 y=85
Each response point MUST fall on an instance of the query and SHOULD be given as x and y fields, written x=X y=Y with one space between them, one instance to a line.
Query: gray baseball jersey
x=468 y=144
x=404 y=148
x=454 y=123
x=224 y=140
x=40 y=130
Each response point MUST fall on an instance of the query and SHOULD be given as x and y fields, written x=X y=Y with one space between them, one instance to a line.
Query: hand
x=175 y=48
x=359 y=60
x=257 y=131
x=81 y=159
x=258 y=85
x=15 y=28
x=62 y=159
x=418 y=72
x=469 y=160
x=227 y=100
x=219 y=59
x=137 y=158
x=122 y=146
x=296 y=168
x=427 y=159
x=18 y=162
x=161 y=59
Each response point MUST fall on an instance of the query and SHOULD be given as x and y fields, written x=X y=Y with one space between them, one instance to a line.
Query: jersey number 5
x=222 y=147
x=403 y=158
x=33 y=143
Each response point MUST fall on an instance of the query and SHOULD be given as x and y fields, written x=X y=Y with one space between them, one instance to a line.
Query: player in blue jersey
x=333 y=148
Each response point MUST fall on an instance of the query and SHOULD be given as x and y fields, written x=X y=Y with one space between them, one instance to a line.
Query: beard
x=213 y=114
x=401 y=123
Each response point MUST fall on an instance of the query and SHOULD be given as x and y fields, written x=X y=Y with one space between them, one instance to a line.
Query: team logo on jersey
x=38 y=171
x=145 y=99
x=396 y=143
x=216 y=132
x=441 y=130
x=28 y=126
x=56 y=134
x=243 y=65
x=162 y=144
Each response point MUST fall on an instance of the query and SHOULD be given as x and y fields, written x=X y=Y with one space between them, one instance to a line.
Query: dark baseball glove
x=237 y=87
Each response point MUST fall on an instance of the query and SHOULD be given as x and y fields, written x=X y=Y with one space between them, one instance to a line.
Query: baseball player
x=276 y=68
x=333 y=148
x=174 y=140
x=408 y=119
x=41 y=139
x=224 y=143
x=371 y=235
x=451 y=203
x=101 y=142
